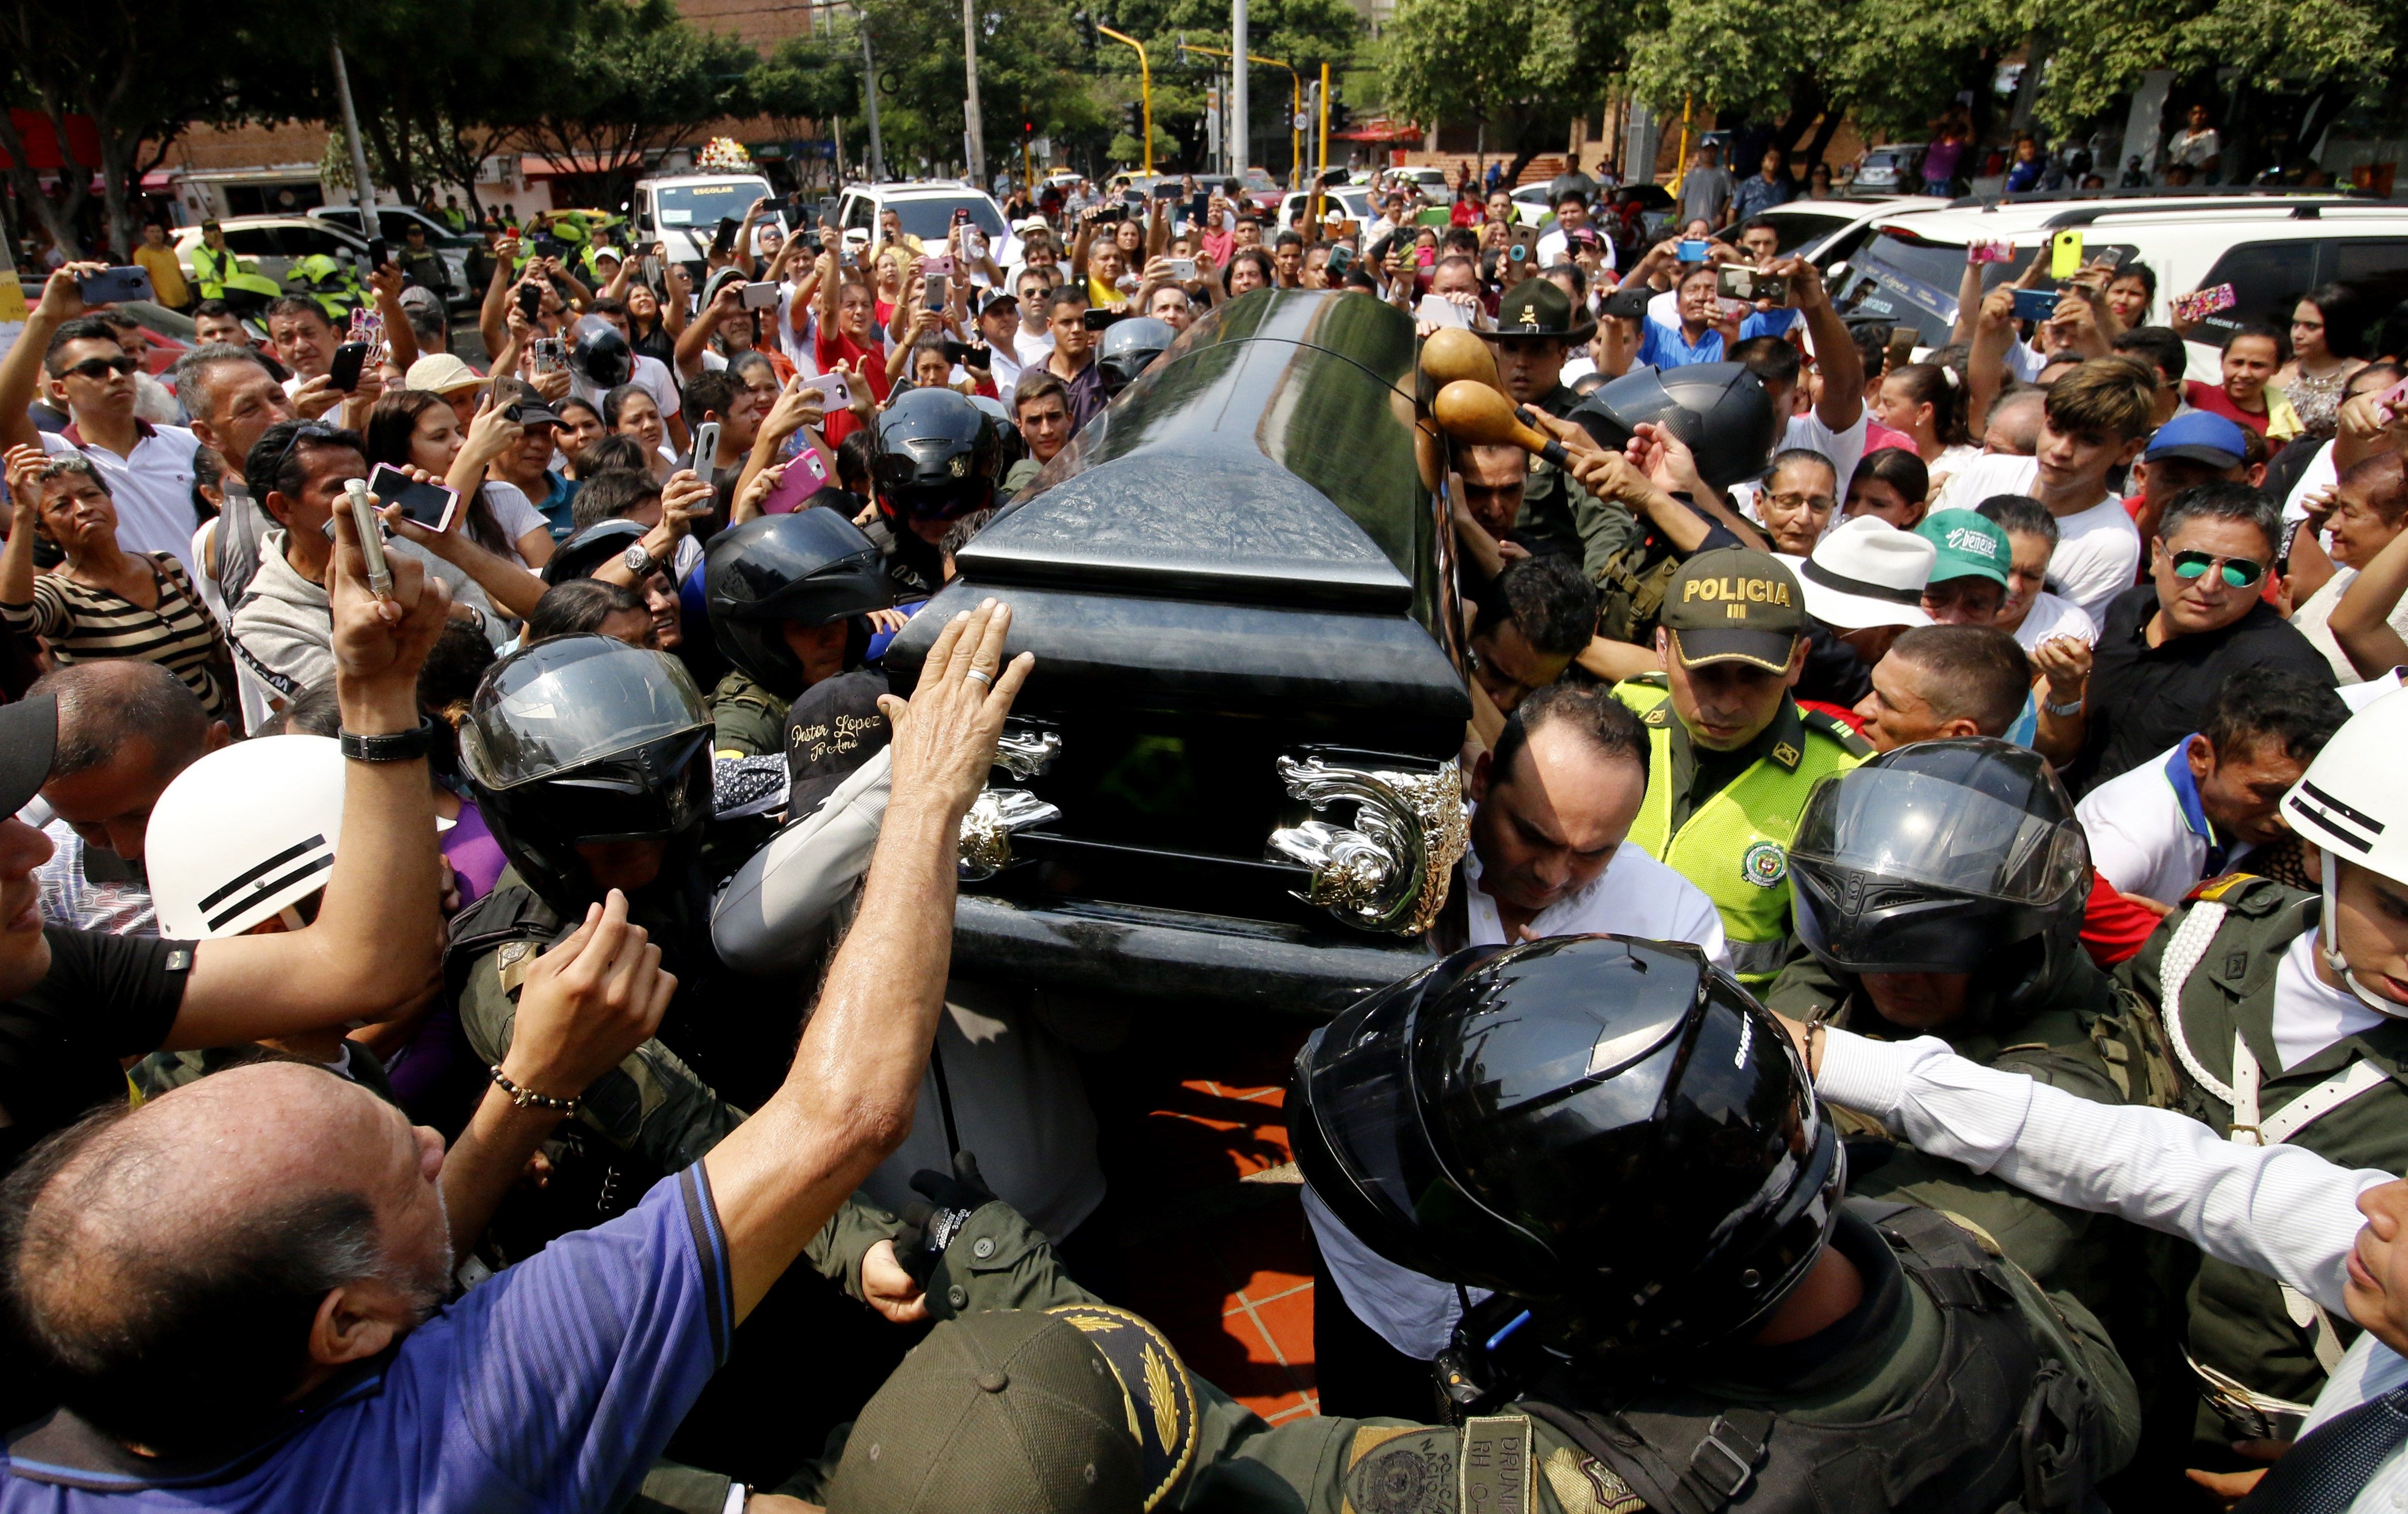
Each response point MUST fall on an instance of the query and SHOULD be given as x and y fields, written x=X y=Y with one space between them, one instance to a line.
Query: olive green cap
x=1733 y=605
x=1077 y=1410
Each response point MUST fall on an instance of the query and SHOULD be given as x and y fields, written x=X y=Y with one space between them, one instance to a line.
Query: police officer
x=1688 y=1314
x=2285 y=1011
x=1535 y=331
x=788 y=594
x=1128 y=348
x=421 y=265
x=1731 y=757
x=936 y=458
x=222 y=276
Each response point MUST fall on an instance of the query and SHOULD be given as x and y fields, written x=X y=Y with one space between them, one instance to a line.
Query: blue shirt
x=1755 y=194
x=555 y=505
x=1773 y=323
x=1662 y=347
x=554 y=1385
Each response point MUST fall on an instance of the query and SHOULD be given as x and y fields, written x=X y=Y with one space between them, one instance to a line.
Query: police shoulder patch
x=1495 y=1466
x=1584 y=1485
x=1838 y=730
x=2214 y=889
x=513 y=963
x=1400 y=1469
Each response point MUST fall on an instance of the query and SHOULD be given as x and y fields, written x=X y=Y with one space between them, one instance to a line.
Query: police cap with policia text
x=1732 y=605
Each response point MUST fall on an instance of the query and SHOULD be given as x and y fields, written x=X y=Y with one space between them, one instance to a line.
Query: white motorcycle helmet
x=245 y=834
x=2348 y=804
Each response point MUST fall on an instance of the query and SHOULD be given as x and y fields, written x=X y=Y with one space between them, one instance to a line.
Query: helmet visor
x=1911 y=827
x=653 y=792
x=572 y=703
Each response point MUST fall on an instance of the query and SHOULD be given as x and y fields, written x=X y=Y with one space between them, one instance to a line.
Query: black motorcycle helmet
x=1607 y=1129
x=1958 y=856
x=1719 y=409
x=811 y=568
x=936 y=457
x=604 y=541
x=585 y=738
x=600 y=355
x=1128 y=348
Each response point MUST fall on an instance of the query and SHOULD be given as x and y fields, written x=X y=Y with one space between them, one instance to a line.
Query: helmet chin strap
x=2329 y=944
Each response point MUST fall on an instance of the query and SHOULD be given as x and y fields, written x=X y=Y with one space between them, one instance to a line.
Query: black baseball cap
x=532 y=407
x=834 y=728
x=29 y=739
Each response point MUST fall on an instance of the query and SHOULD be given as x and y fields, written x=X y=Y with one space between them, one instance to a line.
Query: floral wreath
x=723 y=154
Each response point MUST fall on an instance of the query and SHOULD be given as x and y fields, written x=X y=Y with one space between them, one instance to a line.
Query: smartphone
x=970 y=354
x=761 y=296
x=1341 y=260
x=721 y=241
x=648 y=268
x=1693 y=250
x=343 y=372
x=1426 y=258
x=1901 y=348
x=1733 y=281
x=973 y=243
x=2065 y=254
x=530 y=300
x=1167 y=189
x=1977 y=253
x=431 y=505
x=940 y=266
x=2203 y=303
x=1438 y=310
x=2109 y=258
x=2035 y=303
x=706 y=450
x=379 y=253
x=1182 y=269
x=937 y=292
x=551 y=355
x=1099 y=320
x=1134 y=198
x=835 y=393
x=113 y=286
x=1111 y=214
x=371 y=533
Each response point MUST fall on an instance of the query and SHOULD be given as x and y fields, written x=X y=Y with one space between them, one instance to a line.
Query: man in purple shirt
x=279 y=1346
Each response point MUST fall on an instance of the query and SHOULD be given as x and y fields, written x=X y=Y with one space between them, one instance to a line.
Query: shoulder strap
x=1703 y=1478
x=2189 y=944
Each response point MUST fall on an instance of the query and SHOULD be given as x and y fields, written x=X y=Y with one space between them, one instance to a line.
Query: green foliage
x=1524 y=66
x=1023 y=47
x=2102 y=48
x=630 y=80
x=812 y=78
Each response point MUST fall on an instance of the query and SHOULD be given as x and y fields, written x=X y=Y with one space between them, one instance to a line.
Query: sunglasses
x=2239 y=572
x=101 y=367
x=307 y=431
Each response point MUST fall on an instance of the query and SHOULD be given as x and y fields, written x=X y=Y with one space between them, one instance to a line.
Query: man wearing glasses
x=149 y=468
x=2171 y=642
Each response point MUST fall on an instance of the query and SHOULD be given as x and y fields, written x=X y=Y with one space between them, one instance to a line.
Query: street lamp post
x=975 y=145
x=1241 y=137
x=363 y=192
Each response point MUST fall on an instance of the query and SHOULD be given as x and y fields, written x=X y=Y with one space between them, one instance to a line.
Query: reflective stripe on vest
x=1735 y=847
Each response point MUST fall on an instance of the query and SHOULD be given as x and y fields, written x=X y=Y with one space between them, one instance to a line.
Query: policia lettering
x=1736 y=593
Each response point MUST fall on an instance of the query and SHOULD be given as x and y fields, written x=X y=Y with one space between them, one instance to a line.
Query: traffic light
x=1088 y=36
x=1339 y=114
x=1133 y=120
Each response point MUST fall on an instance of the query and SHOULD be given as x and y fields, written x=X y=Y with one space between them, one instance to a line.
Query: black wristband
x=400 y=747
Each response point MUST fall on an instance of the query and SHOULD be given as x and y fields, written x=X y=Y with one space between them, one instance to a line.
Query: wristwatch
x=400 y=747
x=639 y=561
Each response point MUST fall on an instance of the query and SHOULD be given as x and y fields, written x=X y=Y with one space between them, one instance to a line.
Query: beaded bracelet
x=524 y=1096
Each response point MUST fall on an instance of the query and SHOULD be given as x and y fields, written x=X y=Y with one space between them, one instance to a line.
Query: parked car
x=2270 y=246
x=681 y=211
x=275 y=243
x=1891 y=169
x=393 y=222
x=1825 y=232
x=927 y=213
x=1355 y=198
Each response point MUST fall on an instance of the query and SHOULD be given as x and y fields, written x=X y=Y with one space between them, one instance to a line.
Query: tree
x=142 y=74
x=1023 y=45
x=630 y=80
x=1523 y=67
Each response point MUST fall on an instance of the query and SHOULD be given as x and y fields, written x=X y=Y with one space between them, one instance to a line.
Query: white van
x=683 y=211
x=2271 y=248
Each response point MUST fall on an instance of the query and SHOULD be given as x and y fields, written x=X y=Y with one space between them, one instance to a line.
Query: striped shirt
x=84 y=623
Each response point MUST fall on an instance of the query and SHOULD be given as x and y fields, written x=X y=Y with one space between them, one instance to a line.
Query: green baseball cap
x=1971 y=546
x=1732 y=605
x=1084 y=1410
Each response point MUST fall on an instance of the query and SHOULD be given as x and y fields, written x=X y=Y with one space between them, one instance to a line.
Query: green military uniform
x=1950 y=1349
x=1017 y=478
x=746 y=720
x=2087 y=1037
x=1558 y=514
x=2262 y=1352
x=161 y=1071
x=1723 y=820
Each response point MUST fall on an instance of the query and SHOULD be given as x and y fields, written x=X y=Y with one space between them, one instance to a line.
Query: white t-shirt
x=1553 y=248
x=2097 y=551
x=2314 y=621
x=152 y=487
x=1951 y=462
x=2147 y=831
x=2319 y=474
x=1035 y=349
x=1845 y=449
x=2053 y=615
x=2309 y=1014
x=515 y=513
x=1635 y=895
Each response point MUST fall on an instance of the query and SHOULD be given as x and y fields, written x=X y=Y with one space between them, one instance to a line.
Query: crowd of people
x=1916 y=1024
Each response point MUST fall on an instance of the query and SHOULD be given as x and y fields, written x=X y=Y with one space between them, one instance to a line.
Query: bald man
x=283 y=1352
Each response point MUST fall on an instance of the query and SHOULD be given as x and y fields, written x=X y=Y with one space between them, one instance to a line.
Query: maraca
x=1453 y=353
x=1468 y=410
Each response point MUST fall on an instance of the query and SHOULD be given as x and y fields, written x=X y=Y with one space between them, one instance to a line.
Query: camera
x=1734 y=282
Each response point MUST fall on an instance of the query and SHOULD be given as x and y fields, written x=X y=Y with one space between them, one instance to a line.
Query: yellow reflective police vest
x=215 y=271
x=1735 y=847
